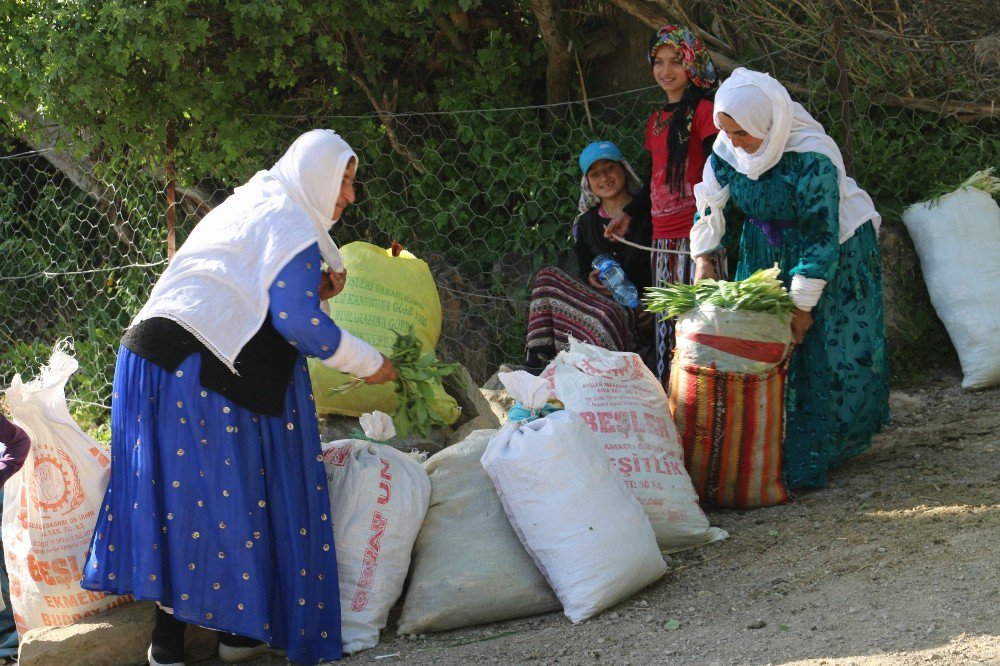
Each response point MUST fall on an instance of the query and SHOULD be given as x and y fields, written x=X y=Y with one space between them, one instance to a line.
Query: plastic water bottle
x=612 y=276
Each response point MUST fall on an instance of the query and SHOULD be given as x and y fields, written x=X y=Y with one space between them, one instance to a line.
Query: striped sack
x=731 y=426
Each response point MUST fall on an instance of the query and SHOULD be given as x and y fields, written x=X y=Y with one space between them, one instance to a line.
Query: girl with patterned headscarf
x=679 y=137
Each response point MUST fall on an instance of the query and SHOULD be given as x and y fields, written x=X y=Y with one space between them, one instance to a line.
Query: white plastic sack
x=50 y=506
x=629 y=416
x=732 y=340
x=469 y=567
x=584 y=529
x=958 y=242
x=378 y=496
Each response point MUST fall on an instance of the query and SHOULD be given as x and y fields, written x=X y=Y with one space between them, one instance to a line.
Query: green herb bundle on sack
x=761 y=292
x=742 y=326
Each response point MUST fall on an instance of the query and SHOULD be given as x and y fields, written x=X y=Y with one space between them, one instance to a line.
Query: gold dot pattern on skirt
x=152 y=577
x=170 y=516
x=204 y=394
x=201 y=503
x=180 y=404
x=180 y=452
x=302 y=531
x=225 y=493
x=180 y=373
x=195 y=535
x=176 y=484
x=246 y=576
x=326 y=546
x=239 y=606
x=216 y=586
x=222 y=555
x=309 y=294
x=283 y=315
x=322 y=634
x=208 y=616
x=184 y=419
x=314 y=321
x=249 y=544
x=302 y=602
x=192 y=566
x=184 y=597
x=261 y=503
x=281 y=284
x=302 y=572
x=291 y=426
x=256 y=535
x=226 y=410
x=111 y=576
x=222 y=525
x=111 y=547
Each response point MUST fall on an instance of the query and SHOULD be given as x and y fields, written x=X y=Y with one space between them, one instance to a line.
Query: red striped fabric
x=731 y=426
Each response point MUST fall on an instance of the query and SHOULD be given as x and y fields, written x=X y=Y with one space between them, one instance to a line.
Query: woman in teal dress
x=774 y=162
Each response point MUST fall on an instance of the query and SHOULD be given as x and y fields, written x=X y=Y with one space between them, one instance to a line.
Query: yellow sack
x=383 y=294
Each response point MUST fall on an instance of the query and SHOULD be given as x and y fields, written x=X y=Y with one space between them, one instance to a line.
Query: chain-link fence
x=485 y=196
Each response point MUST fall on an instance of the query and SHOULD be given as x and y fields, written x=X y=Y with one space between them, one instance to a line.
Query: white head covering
x=216 y=286
x=762 y=107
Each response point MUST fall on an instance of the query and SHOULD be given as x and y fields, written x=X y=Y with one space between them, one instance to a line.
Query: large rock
x=117 y=637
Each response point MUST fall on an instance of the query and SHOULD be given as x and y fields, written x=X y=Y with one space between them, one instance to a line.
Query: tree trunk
x=560 y=58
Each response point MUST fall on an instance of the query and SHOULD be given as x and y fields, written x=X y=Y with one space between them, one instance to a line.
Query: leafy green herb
x=418 y=371
x=761 y=292
x=982 y=180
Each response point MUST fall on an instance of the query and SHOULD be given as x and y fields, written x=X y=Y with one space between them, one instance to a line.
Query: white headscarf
x=762 y=107
x=216 y=286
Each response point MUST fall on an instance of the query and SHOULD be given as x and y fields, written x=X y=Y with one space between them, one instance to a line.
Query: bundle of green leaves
x=761 y=292
x=417 y=372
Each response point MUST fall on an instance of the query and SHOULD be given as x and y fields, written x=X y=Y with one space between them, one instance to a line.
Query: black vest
x=264 y=365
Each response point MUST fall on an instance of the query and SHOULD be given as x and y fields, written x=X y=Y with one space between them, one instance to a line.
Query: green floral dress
x=838 y=381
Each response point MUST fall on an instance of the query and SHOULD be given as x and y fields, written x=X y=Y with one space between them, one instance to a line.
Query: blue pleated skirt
x=218 y=512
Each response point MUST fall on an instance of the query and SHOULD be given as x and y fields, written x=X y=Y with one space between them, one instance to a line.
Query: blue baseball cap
x=599 y=150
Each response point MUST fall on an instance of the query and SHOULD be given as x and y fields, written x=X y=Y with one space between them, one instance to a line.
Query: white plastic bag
x=626 y=408
x=51 y=505
x=732 y=340
x=583 y=528
x=469 y=567
x=378 y=496
x=960 y=228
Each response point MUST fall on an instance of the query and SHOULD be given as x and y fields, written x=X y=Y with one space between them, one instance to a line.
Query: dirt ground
x=895 y=562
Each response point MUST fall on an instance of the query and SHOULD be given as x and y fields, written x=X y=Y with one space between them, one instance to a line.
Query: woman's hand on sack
x=595 y=282
x=704 y=269
x=386 y=373
x=802 y=321
x=331 y=283
x=617 y=226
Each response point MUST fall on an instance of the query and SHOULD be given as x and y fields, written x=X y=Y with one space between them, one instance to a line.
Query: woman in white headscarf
x=774 y=162
x=218 y=507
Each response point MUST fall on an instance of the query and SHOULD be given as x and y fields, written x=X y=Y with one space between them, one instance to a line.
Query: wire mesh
x=486 y=197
